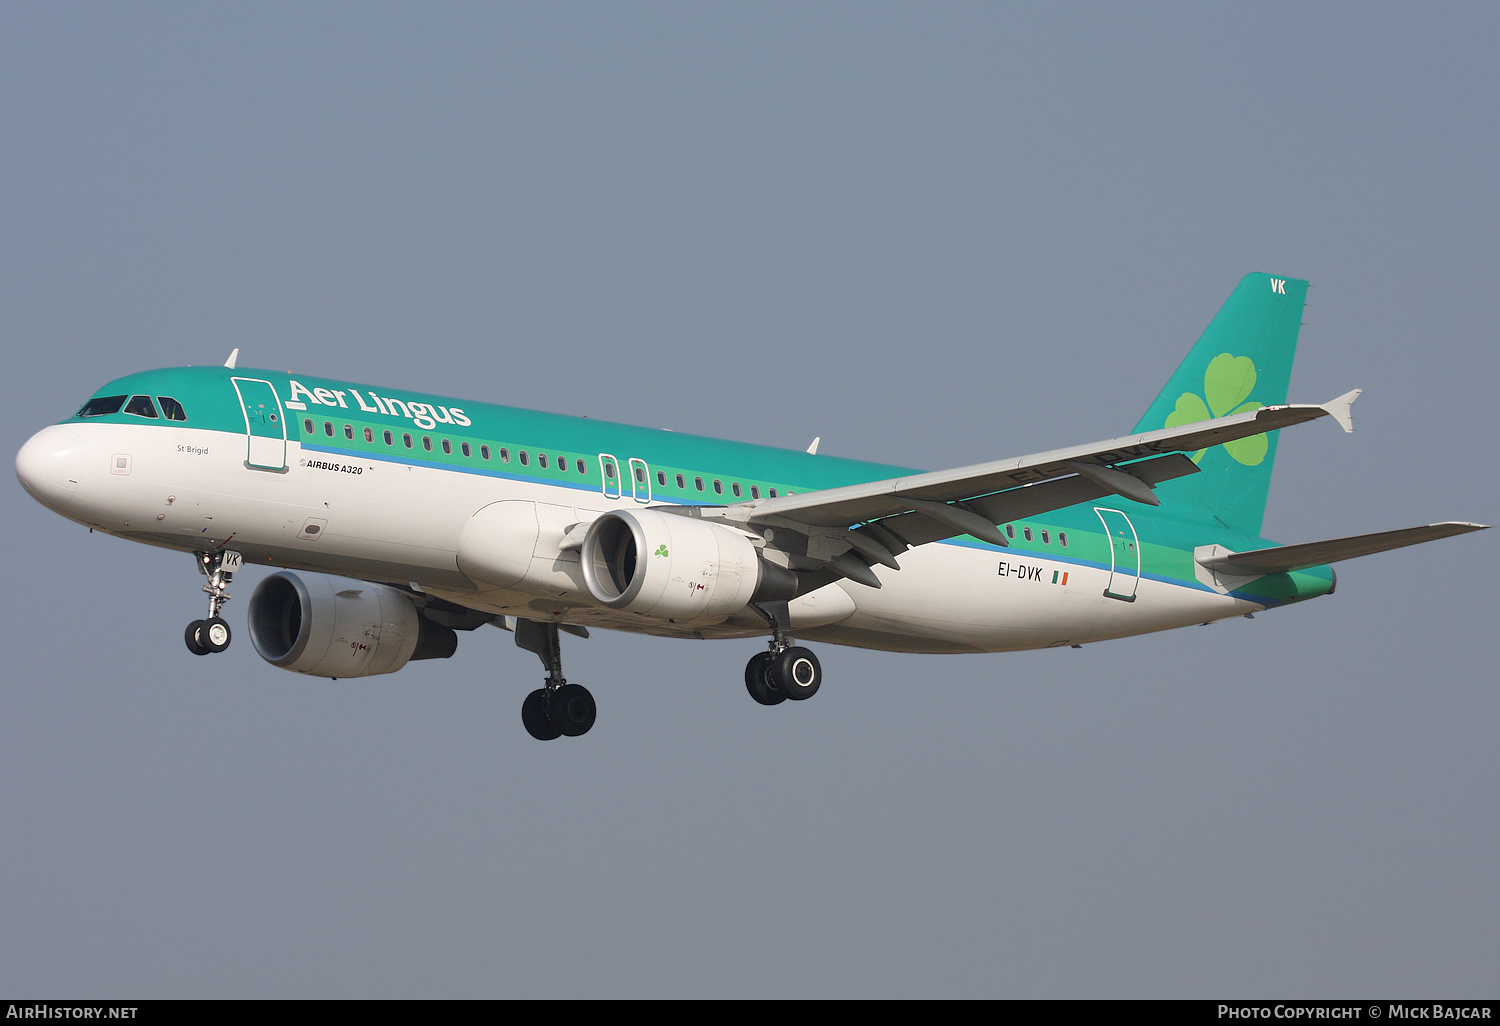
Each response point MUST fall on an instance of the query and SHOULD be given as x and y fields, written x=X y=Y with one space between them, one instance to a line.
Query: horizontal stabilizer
x=1286 y=558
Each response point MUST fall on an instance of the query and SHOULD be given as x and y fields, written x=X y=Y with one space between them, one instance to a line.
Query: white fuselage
x=402 y=523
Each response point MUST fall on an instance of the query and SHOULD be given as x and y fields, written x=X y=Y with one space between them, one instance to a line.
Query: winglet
x=1338 y=409
x=234 y=356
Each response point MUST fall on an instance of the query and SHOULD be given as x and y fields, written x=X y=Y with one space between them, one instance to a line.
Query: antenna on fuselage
x=232 y=358
x=812 y=450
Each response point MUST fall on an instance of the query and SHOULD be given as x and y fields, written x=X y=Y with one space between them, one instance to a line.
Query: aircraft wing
x=880 y=519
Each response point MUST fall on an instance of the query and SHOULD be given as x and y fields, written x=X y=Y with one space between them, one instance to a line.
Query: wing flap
x=1033 y=500
x=1286 y=558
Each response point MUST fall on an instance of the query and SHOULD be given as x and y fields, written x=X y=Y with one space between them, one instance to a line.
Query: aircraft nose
x=50 y=464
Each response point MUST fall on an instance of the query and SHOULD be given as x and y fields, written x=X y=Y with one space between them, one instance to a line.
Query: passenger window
x=328 y=428
x=103 y=406
x=609 y=471
x=698 y=483
x=369 y=435
x=307 y=425
x=349 y=432
x=484 y=452
x=427 y=443
x=524 y=460
x=141 y=406
x=465 y=449
x=171 y=408
x=755 y=491
x=1046 y=540
x=389 y=438
x=772 y=493
x=681 y=483
x=583 y=468
x=1027 y=532
x=1062 y=538
x=504 y=455
x=447 y=447
x=406 y=440
x=640 y=475
x=661 y=478
x=718 y=487
x=541 y=460
x=735 y=488
x=1010 y=531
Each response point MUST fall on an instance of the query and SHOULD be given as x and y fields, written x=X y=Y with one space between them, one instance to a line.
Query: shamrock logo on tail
x=1226 y=385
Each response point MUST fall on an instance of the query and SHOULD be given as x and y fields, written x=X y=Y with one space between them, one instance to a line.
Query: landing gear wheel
x=796 y=673
x=214 y=634
x=534 y=716
x=190 y=636
x=755 y=680
x=571 y=709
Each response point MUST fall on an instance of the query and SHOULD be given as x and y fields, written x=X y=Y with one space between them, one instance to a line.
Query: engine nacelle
x=676 y=568
x=335 y=627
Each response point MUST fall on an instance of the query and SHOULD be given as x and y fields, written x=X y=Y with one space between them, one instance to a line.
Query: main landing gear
x=557 y=708
x=785 y=670
x=213 y=634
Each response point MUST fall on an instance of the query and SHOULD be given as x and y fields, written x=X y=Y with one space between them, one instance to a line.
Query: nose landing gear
x=213 y=634
x=205 y=636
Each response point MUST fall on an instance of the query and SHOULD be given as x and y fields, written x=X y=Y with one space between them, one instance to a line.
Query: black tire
x=756 y=683
x=215 y=634
x=571 y=709
x=797 y=674
x=191 y=637
x=534 y=716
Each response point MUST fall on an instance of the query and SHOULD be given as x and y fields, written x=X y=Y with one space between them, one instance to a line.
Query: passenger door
x=265 y=424
x=1124 y=554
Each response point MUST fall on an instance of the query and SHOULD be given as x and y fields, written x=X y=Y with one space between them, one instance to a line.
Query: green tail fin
x=1242 y=362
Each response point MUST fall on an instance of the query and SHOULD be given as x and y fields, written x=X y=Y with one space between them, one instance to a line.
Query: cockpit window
x=171 y=408
x=141 y=406
x=102 y=406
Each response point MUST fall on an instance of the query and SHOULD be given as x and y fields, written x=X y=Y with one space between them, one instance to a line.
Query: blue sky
x=932 y=236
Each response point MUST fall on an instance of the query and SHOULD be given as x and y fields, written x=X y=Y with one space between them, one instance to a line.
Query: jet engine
x=676 y=568
x=335 y=627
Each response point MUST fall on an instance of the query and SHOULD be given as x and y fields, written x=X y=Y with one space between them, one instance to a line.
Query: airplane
x=399 y=519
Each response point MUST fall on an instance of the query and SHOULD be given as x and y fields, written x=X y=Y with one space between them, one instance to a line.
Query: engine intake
x=676 y=568
x=334 y=627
